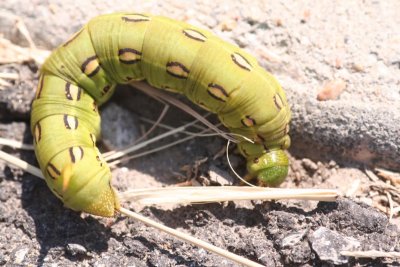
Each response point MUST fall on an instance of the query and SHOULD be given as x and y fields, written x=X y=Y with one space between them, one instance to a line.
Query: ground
x=337 y=143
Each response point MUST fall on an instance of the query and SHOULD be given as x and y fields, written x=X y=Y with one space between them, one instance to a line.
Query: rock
x=328 y=244
x=76 y=249
x=19 y=255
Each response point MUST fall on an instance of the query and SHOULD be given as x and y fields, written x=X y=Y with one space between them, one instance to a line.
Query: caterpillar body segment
x=117 y=48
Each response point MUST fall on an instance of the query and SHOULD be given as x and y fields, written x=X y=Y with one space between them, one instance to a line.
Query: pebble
x=293 y=239
x=331 y=90
x=75 y=249
x=19 y=255
x=328 y=244
x=309 y=164
x=220 y=176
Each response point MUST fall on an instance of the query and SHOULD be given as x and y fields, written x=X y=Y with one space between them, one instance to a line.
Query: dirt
x=303 y=46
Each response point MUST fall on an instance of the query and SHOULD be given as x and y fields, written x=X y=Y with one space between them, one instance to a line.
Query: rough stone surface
x=328 y=245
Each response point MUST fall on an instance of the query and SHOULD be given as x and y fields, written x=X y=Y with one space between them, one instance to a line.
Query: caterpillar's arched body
x=168 y=54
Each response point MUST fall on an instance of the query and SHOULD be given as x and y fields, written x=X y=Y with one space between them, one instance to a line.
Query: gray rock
x=76 y=249
x=328 y=244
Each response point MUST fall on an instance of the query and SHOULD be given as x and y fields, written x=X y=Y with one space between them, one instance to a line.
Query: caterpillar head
x=270 y=169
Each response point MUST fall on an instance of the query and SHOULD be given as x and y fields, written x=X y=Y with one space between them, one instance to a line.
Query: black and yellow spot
x=129 y=55
x=135 y=18
x=106 y=89
x=278 y=101
x=40 y=87
x=91 y=66
x=177 y=70
x=73 y=37
x=75 y=153
x=72 y=92
x=248 y=121
x=38 y=132
x=217 y=92
x=70 y=122
x=195 y=35
x=241 y=61
x=53 y=172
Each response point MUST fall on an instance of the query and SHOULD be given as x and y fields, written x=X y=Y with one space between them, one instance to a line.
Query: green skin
x=171 y=55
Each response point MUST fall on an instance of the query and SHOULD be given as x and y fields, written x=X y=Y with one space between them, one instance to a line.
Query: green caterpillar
x=117 y=48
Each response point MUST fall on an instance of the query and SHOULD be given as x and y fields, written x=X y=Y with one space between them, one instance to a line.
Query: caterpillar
x=112 y=49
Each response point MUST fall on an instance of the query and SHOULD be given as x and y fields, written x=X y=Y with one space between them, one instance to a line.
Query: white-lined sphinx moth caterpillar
x=117 y=48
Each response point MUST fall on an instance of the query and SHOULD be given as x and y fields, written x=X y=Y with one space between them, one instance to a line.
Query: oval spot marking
x=241 y=61
x=70 y=122
x=90 y=66
x=217 y=91
x=105 y=90
x=195 y=35
x=38 y=132
x=278 y=101
x=177 y=70
x=135 y=18
x=72 y=92
x=53 y=171
x=75 y=153
x=129 y=55
x=248 y=121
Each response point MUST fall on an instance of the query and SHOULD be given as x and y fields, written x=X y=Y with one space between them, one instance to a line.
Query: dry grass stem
x=371 y=254
x=191 y=195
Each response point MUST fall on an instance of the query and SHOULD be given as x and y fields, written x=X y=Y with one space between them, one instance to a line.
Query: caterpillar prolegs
x=117 y=48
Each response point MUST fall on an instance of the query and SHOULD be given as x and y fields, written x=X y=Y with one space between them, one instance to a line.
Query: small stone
x=279 y=22
x=358 y=67
x=76 y=249
x=331 y=90
x=220 y=176
x=328 y=245
x=19 y=255
x=309 y=165
x=293 y=239
x=228 y=25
